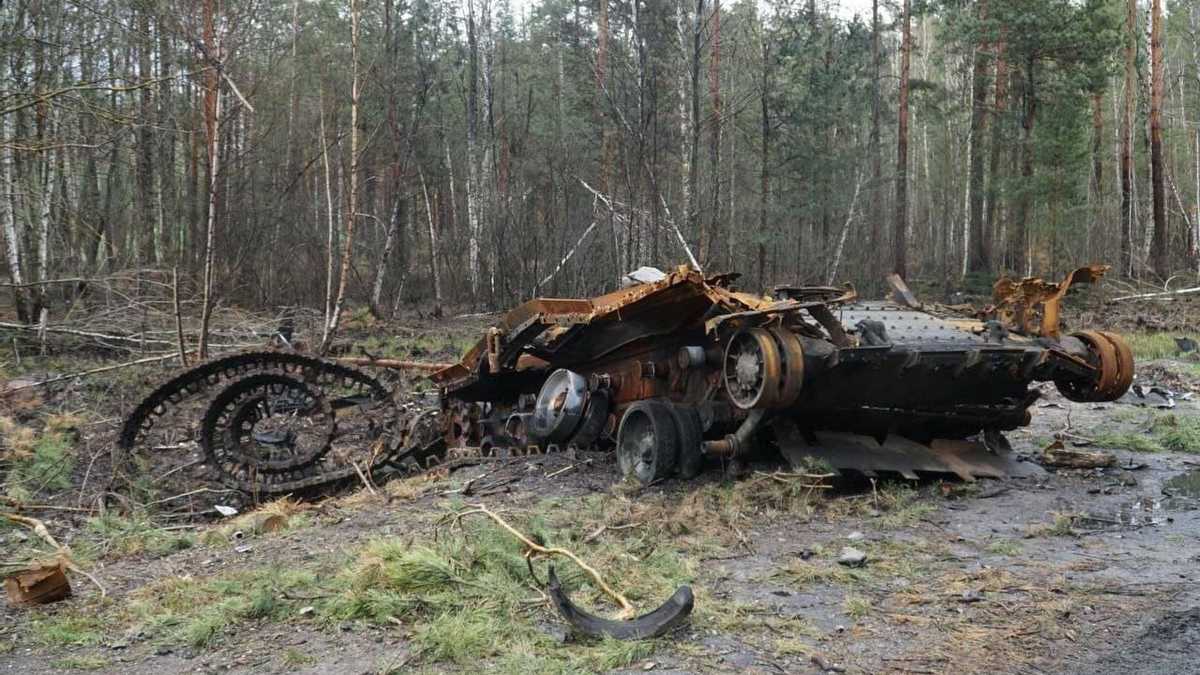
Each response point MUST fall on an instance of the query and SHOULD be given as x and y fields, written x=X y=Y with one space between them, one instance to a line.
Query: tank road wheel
x=594 y=419
x=753 y=369
x=647 y=442
x=559 y=408
x=687 y=426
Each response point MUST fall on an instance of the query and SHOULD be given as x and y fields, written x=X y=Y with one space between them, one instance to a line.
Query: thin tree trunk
x=1000 y=102
x=352 y=202
x=1159 y=250
x=388 y=245
x=900 y=266
x=714 y=150
x=876 y=146
x=1019 y=238
x=473 y=171
x=1097 y=164
x=433 y=248
x=764 y=157
x=1127 y=139
x=212 y=129
x=980 y=257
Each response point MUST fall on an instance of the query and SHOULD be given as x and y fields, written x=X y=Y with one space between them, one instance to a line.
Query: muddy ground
x=1067 y=571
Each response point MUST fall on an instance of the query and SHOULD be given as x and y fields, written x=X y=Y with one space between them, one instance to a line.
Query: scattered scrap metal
x=675 y=372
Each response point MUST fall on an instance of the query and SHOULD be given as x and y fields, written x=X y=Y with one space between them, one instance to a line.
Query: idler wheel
x=647 y=442
x=753 y=369
x=559 y=408
x=1113 y=360
x=1124 y=362
x=793 y=365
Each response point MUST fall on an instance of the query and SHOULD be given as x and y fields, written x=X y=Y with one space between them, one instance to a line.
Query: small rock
x=852 y=557
x=226 y=511
x=243 y=549
x=305 y=611
x=649 y=665
x=856 y=536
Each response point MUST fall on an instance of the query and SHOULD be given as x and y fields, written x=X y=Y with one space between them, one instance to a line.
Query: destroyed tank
x=674 y=372
x=684 y=370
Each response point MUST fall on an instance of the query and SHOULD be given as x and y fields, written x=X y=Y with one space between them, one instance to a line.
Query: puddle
x=1185 y=486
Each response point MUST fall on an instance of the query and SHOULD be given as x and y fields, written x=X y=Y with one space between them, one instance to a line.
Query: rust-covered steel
x=688 y=369
x=673 y=374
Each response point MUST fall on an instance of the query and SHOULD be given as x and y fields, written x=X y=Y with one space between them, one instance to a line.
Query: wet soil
x=1073 y=571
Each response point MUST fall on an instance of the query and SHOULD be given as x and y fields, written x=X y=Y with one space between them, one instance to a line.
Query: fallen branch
x=1159 y=294
x=93 y=371
x=533 y=547
x=396 y=364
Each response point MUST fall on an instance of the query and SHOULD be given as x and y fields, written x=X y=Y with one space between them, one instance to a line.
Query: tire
x=647 y=443
x=687 y=428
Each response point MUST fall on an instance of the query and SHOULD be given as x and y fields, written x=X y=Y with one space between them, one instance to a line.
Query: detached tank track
x=232 y=373
x=220 y=372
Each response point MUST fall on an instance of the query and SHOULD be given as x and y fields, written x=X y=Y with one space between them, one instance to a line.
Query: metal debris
x=673 y=372
x=661 y=621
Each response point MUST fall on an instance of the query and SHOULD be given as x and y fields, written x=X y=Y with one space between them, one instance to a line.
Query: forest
x=399 y=153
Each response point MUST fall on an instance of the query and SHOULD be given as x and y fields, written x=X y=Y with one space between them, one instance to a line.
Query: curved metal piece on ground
x=661 y=621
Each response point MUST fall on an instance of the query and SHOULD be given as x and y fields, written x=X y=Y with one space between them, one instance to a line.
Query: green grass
x=66 y=628
x=1177 y=433
x=1164 y=432
x=1132 y=441
x=1062 y=526
x=196 y=612
x=294 y=658
x=1006 y=547
x=902 y=505
x=82 y=662
x=1147 y=346
x=135 y=534
x=856 y=606
x=38 y=461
